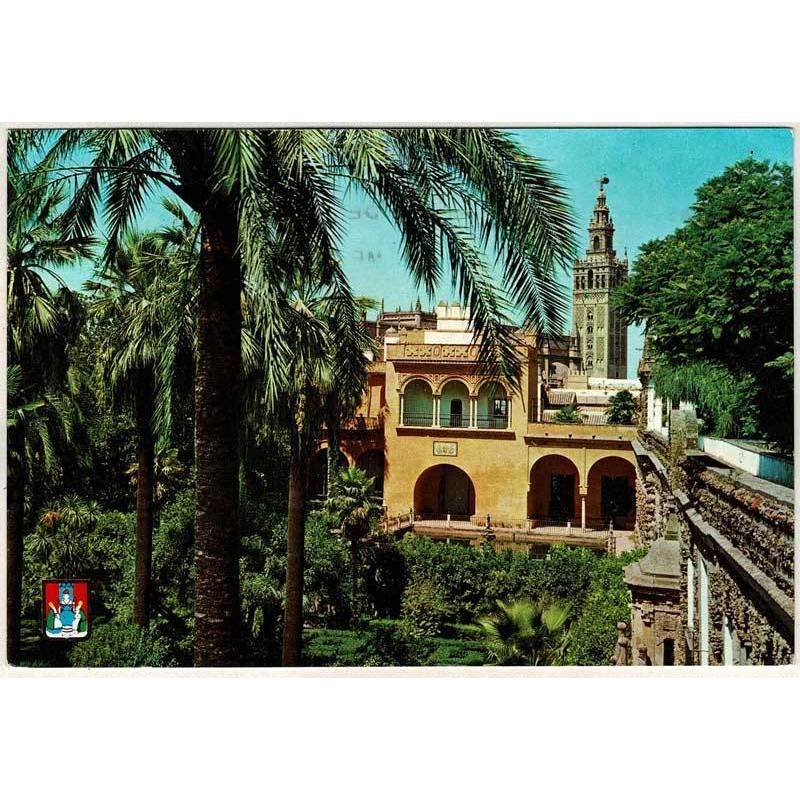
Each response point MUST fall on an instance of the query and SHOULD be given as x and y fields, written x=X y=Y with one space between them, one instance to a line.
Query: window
x=596 y=243
x=500 y=407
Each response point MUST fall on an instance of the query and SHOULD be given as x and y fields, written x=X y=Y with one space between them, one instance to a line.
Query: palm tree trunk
x=295 y=556
x=216 y=559
x=332 y=461
x=14 y=543
x=353 y=582
x=145 y=480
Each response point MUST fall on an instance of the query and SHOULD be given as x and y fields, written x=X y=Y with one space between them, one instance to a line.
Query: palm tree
x=310 y=355
x=42 y=315
x=356 y=510
x=525 y=633
x=453 y=194
x=147 y=294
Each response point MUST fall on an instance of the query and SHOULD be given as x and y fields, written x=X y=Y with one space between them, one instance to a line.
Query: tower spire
x=601 y=227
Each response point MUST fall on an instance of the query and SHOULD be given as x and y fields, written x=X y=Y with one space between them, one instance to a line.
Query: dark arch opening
x=554 y=490
x=611 y=493
x=442 y=490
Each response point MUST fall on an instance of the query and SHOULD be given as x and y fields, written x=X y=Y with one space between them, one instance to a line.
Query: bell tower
x=602 y=334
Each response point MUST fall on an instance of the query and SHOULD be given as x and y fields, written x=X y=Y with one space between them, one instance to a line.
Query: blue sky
x=653 y=174
x=653 y=177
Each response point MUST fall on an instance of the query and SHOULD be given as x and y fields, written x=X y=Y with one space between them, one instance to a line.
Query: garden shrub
x=121 y=644
x=425 y=608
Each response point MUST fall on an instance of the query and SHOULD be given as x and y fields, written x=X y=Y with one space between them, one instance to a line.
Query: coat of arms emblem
x=66 y=609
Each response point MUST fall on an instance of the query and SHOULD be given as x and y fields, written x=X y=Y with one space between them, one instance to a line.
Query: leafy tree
x=43 y=323
x=525 y=633
x=717 y=297
x=451 y=192
x=621 y=408
x=569 y=414
x=355 y=510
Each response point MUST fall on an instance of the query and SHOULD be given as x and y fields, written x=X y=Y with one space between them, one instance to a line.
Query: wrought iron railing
x=493 y=423
x=419 y=420
x=454 y=421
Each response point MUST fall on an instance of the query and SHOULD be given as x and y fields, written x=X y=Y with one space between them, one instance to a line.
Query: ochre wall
x=499 y=463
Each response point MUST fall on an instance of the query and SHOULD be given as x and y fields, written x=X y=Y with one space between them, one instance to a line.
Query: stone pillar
x=473 y=412
x=437 y=403
x=704 y=613
x=583 y=512
x=402 y=403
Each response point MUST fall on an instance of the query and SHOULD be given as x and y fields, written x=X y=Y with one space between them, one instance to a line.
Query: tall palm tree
x=356 y=510
x=453 y=194
x=310 y=353
x=148 y=294
x=42 y=315
x=525 y=633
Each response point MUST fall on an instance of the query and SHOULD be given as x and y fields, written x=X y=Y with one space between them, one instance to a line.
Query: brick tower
x=602 y=334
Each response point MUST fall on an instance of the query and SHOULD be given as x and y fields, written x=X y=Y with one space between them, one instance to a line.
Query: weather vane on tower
x=603 y=181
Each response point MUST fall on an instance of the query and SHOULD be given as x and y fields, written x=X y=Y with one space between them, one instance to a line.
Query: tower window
x=590 y=277
x=596 y=243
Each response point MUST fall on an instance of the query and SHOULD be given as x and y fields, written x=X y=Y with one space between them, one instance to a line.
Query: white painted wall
x=746 y=460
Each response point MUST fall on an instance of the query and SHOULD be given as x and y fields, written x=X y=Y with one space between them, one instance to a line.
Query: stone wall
x=743 y=532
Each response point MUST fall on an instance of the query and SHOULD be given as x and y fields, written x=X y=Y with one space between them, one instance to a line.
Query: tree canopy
x=716 y=296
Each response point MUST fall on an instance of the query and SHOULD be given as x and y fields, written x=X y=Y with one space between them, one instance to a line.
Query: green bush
x=569 y=414
x=122 y=644
x=388 y=644
x=425 y=609
x=593 y=635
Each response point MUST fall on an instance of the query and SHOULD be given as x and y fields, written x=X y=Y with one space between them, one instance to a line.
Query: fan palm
x=356 y=509
x=525 y=633
x=42 y=316
x=148 y=294
x=309 y=353
x=452 y=193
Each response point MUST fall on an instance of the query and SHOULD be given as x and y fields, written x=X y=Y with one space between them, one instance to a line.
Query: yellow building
x=457 y=448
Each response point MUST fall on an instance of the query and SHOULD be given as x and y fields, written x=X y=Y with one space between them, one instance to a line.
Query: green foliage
x=725 y=401
x=424 y=608
x=621 y=408
x=327 y=573
x=569 y=414
x=122 y=644
x=719 y=292
x=387 y=644
x=593 y=635
x=525 y=633
x=352 y=503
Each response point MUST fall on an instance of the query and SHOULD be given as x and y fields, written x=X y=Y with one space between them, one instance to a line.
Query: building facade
x=447 y=443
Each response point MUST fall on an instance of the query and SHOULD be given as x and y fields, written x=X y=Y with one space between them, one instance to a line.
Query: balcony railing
x=425 y=420
x=493 y=423
x=454 y=421
x=418 y=420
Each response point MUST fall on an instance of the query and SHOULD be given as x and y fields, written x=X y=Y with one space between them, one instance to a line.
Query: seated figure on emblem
x=67 y=619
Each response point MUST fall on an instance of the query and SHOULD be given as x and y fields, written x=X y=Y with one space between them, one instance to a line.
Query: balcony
x=453 y=407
